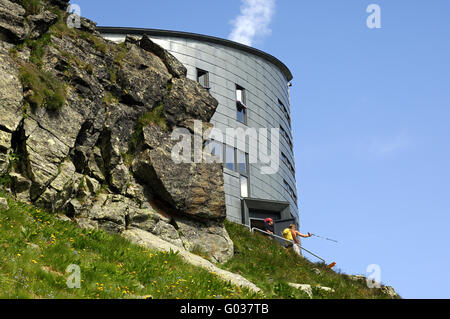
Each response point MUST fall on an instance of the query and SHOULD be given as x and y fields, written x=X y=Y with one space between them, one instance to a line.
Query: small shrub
x=120 y=54
x=44 y=89
x=38 y=48
x=31 y=6
x=112 y=75
x=155 y=116
x=110 y=99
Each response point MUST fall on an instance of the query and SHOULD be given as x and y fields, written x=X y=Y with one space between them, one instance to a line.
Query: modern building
x=252 y=88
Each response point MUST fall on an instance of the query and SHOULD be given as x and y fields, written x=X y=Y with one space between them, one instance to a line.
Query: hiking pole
x=324 y=238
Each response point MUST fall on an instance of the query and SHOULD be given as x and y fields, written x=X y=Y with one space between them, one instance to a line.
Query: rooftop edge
x=180 y=34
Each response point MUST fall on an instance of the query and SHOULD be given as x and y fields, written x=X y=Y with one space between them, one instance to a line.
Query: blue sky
x=371 y=115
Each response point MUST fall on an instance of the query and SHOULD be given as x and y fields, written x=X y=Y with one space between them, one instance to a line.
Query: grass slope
x=270 y=266
x=36 y=248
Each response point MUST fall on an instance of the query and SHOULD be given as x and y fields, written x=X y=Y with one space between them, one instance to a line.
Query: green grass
x=270 y=266
x=38 y=48
x=45 y=89
x=153 y=117
x=110 y=99
x=36 y=248
x=31 y=6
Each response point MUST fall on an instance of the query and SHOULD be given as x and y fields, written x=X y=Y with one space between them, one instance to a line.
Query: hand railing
x=289 y=241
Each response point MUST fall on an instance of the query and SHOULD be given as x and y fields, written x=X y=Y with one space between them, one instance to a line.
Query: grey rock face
x=16 y=28
x=94 y=158
x=195 y=189
x=173 y=65
x=210 y=238
x=11 y=92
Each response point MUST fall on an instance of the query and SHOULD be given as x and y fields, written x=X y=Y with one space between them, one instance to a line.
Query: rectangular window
x=229 y=157
x=241 y=104
x=244 y=186
x=242 y=162
x=285 y=111
x=203 y=78
x=286 y=136
x=288 y=163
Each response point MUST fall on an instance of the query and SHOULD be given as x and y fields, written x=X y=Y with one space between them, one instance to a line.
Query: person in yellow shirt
x=291 y=234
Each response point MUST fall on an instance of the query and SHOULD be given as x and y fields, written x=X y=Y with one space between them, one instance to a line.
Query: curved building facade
x=252 y=88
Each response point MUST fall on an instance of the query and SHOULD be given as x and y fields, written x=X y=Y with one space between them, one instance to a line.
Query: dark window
x=285 y=111
x=230 y=157
x=242 y=162
x=203 y=78
x=287 y=162
x=241 y=104
x=286 y=136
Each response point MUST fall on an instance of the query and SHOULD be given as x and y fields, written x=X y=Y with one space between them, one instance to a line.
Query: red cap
x=268 y=220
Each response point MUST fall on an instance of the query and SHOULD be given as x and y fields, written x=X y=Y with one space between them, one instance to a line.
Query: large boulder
x=11 y=93
x=175 y=67
x=193 y=189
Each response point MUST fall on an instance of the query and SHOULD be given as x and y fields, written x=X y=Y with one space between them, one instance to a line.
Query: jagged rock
x=11 y=92
x=92 y=184
x=210 y=238
x=175 y=68
x=5 y=145
x=16 y=28
x=45 y=152
x=146 y=219
x=12 y=20
x=86 y=223
x=3 y=204
x=59 y=191
x=188 y=100
x=168 y=233
x=110 y=211
x=194 y=189
x=20 y=186
x=88 y=26
x=119 y=178
x=388 y=290
x=39 y=23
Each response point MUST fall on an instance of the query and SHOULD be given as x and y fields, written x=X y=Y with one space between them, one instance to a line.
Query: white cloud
x=253 y=21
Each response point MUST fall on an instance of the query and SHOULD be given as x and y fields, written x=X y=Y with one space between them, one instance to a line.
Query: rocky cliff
x=85 y=129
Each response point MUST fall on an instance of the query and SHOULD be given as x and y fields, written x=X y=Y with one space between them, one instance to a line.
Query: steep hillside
x=36 y=247
x=272 y=267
